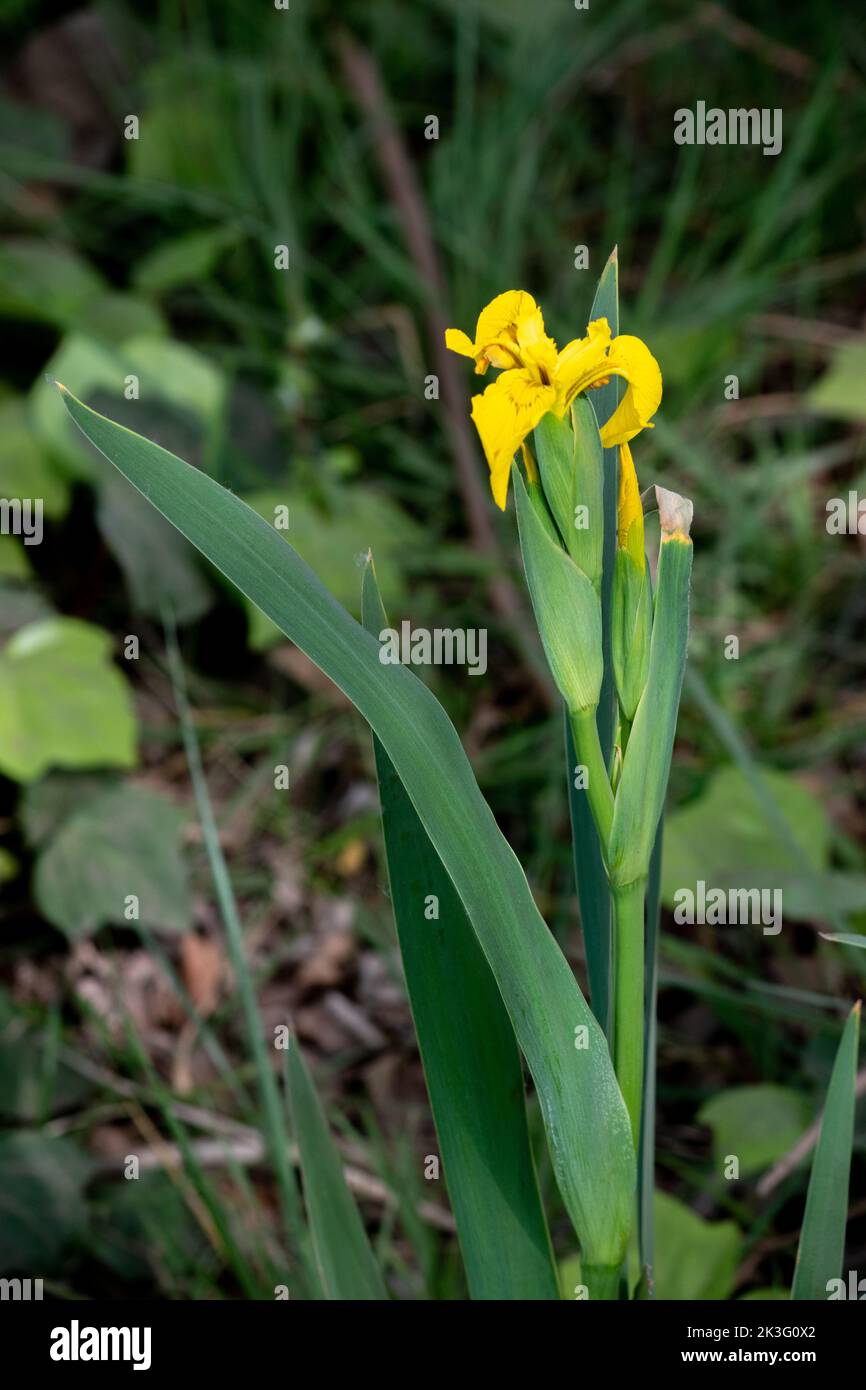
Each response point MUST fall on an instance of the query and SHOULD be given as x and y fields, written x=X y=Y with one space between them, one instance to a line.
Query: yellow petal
x=458 y=341
x=631 y=358
x=583 y=361
x=504 y=415
x=529 y=462
x=629 y=516
x=502 y=316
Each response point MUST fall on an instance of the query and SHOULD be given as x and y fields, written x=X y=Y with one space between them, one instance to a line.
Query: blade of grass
x=584 y=1114
x=471 y=1063
x=346 y=1265
x=272 y=1111
x=822 y=1238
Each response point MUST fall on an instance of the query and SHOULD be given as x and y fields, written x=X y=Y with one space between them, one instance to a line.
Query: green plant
x=517 y=978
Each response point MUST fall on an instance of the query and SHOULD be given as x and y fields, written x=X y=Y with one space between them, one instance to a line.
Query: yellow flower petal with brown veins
x=591 y=361
x=583 y=362
x=510 y=323
x=504 y=415
x=631 y=358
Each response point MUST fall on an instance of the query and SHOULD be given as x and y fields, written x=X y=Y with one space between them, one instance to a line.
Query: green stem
x=628 y=914
x=587 y=746
x=602 y=1281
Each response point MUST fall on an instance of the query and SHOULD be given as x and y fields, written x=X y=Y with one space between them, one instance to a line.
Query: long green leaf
x=346 y=1264
x=471 y=1063
x=822 y=1238
x=593 y=891
x=584 y=1114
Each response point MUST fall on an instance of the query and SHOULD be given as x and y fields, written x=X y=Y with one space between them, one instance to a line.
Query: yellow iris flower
x=536 y=378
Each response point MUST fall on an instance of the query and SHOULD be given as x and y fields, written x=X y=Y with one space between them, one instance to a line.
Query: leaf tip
x=675 y=514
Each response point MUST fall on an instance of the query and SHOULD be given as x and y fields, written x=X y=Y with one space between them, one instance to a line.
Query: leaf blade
x=471 y=1063
x=822 y=1237
x=346 y=1264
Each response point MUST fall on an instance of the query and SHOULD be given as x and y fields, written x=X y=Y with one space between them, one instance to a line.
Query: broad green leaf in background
x=51 y=283
x=167 y=372
x=62 y=702
x=471 y=1063
x=755 y=1123
x=20 y=605
x=584 y=1113
x=346 y=1264
x=42 y=1208
x=335 y=543
x=724 y=838
x=183 y=260
x=45 y=280
x=822 y=1238
x=840 y=390
x=159 y=565
x=45 y=805
x=14 y=560
x=25 y=467
x=808 y=892
x=694 y=1259
x=125 y=841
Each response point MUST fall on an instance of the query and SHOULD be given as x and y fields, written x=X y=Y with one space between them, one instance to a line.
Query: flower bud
x=567 y=609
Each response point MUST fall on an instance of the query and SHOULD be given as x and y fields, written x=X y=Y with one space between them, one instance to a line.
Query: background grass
x=307 y=387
